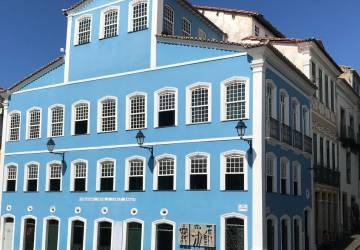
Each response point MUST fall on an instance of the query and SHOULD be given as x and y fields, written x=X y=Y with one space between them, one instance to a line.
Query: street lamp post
x=51 y=145
x=241 y=128
x=140 y=138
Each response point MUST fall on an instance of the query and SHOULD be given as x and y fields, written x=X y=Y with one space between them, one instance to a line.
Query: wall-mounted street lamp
x=140 y=138
x=51 y=145
x=241 y=128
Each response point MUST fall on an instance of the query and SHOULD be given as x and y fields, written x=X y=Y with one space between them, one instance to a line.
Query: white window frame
x=288 y=181
x=127 y=171
x=11 y=164
x=9 y=125
x=70 y=221
x=272 y=157
x=295 y=102
x=223 y=96
x=44 y=231
x=173 y=17
x=28 y=122
x=306 y=121
x=153 y=232
x=99 y=113
x=189 y=90
x=26 y=172
x=223 y=225
x=49 y=129
x=96 y=232
x=272 y=85
x=48 y=172
x=98 y=173
x=276 y=229
x=289 y=229
x=130 y=15
x=156 y=169
x=296 y=166
x=102 y=21
x=77 y=22
x=128 y=111
x=298 y=218
x=202 y=34
x=72 y=174
x=157 y=95
x=183 y=31
x=23 y=228
x=125 y=223
x=73 y=115
x=223 y=157
x=188 y=168
x=286 y=118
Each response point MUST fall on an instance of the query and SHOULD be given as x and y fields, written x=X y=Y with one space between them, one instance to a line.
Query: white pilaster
x=67 y=51
x=156 y=27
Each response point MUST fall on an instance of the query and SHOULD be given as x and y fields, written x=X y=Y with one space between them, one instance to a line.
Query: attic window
x=257 y=31
x=186 y=27
x=168 y=26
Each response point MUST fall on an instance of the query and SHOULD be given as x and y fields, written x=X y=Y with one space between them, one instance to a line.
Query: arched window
x=271 y=173
x=136 y=109
x=296 y=171
x=14 y=126
x=109 y=22
x=83 y=35
x=164 y=236
x=104 y=233
x=79 y=176
x=11 y=174
x=284 y=107
x=306 y=121
x=166 y=107
x=164 y=173
x=285 y=227
x=77 y=234
x=52 y=234
x=138 y=15
x=233 y=171
x=34 y=123
x=31 y=177
x=135 y=174
x=54 y=177
x=106 y=175
x=133 y=235
x=28 y=237
x=107 y=114
x=198 y=171
x=284 y=176
x=272 y=233
x=56 y=120
x=271 y=100
x=80 y=118
x=198 y=103
x=168 y=22
x=297 y=231
x=295 y=114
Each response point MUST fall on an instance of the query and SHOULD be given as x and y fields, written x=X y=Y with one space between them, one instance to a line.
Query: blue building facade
x=162 y=68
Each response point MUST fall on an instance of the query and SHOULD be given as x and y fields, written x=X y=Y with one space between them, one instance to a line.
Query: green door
x=52 y=235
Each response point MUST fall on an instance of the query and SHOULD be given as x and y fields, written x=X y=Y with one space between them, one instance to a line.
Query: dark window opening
x=270 y=235
x=133 y=241
x=165 y=182
x=55 y=185
x=164 y=237
x=52 y=235
x=234 y=182
x=296 y=235
x=29 y=234
x=107 y=184
x=296 y=191
x=32 y=186
x=11 y=185
x=77 y=235
x=135 y=183
x=81 y=127
x=269 y=184
x=283 y=186
x=80 y=184
x=284 y=235
x=198 y=182
x=166 y=118
x=104 y=236
x=234 y=234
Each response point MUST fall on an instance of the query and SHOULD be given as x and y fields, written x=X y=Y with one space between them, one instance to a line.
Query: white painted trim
x=128 y=111
x=102 y=20
x=157 y=94
x=229 y=138
x=4 y=125
x=297 y=217
x=154 y=236
x=9 y=125
x=28 y=122
x=96 y=227
x=70 y=221
x=188 y=168
x=72 y=173
x=68 y=48
x=295 y=102
x=26 y=171
x=132 y=4
x=98 y=172
x=156 y=169
x=184 y=32
x=288 y=179
x=223 y=167
x=125 y=223
x=296 y=166
x=276 y=230
x=273 y=157
x=21 y=244
x=289 y=226
x=223 y=228
x=127 y=171
x=173 y=17
x=272 y=84
x=73 y=115
x=44 y=231
x=49 y=124
x=92 y=79
x=6 y=175
x=95 y=8
x=3 y=217
x=189 y=89
x=99 y=113
x=76 y=31
x=48 y=165
x=287 y=108
x=156 y=28
x=223 y=85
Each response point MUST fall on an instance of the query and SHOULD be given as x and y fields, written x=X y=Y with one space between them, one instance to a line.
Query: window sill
x=131 y=31
x=107 y=132
x=135 y=191
x=78 y=191
x=53 y=191
x=198 y=190
x=134 y=129
x=29 y=192
x=106 y=191
x=170 y=126
x=80 y=134
x=109 y=37
x=10 y=192
x=78 y=44
x=198 y=123
x=164 y=190
x=32 y=139
x=234 y=191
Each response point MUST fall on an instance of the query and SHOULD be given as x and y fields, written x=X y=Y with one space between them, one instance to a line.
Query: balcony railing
x=327 y=176
x=307 y=144
x=286 y=134
x=343 y=132
x=298 y=140
x=274 y=128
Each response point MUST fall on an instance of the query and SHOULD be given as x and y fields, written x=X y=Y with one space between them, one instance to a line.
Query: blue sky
x=33 y=31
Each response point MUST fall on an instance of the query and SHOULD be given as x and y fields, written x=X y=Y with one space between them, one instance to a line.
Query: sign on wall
x=197 y=235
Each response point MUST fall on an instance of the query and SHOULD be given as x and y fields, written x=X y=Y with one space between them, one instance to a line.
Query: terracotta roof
x=258 y=16
x=318 y=42
x=38 y=73
x=74 y=6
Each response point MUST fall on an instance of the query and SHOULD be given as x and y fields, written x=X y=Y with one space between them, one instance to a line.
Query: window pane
x=29 y=234
x=168 y=23
x=107 y=176
x=199 y=105
x=234 y=182
x=14 y=127
x=77 y=235
x=134 y=238
x=164 y=237
x=186 y=27
x=234 y=234
x=11 y=179
x=34 y=124
x=84 y=31
x=57 y=121
x=104 y=236
x=140 y=16
x=270 y=235
x=110 y=27
x=235 y=100
x=108 y=115
x=137 y=112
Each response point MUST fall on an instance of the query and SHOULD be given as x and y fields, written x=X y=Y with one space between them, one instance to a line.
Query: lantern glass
x=50 y=145
x=241 y=128
x=140 y=137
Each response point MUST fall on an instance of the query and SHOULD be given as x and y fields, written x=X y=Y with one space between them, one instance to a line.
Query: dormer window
x=83 y=30
x=168 y=23
x=109 y=22
x=186 y=27
x=138 y=15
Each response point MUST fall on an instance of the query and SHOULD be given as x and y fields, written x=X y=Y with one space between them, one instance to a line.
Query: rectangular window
x=29 y=234
x=32 y=178
x=52 y=233
x=198 y=173
x=34 y=124
x=168 y=21
x=269 y=175
x=283 y=177
x=104 y=236
x=11 y=179
x=80 y=177
x=55 y=178
x=166 y=109
x=77 y=235
x=296 y=180
x=186 y=27
x=137 y=112
x=110 y=23
x=320 y=86
x=81 y=119
x=136 y=175
x=107 y=176
x=234 y=173
x=322 y=152
x=327 y=91
x=166 y=171
x=200 y=105
x=108 y=115
x=84 y=30
x=134 y=236
x=14 y=134
x=235 y=101
x=140 y=16
x=57 y=121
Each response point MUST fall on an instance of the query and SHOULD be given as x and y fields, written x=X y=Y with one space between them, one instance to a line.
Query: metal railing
x=307 y=144
x=274 y=128
x=286 y=134
x=298 y=139
x=326 y=176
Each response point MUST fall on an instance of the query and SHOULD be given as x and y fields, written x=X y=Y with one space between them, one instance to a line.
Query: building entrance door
x=8 y=233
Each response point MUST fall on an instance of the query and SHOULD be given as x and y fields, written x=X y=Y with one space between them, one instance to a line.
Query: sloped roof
x=258 y=16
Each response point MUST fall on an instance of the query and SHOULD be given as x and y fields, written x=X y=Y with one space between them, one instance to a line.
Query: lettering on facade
x=108 y=199
x=197 y=235
x=243 y=208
